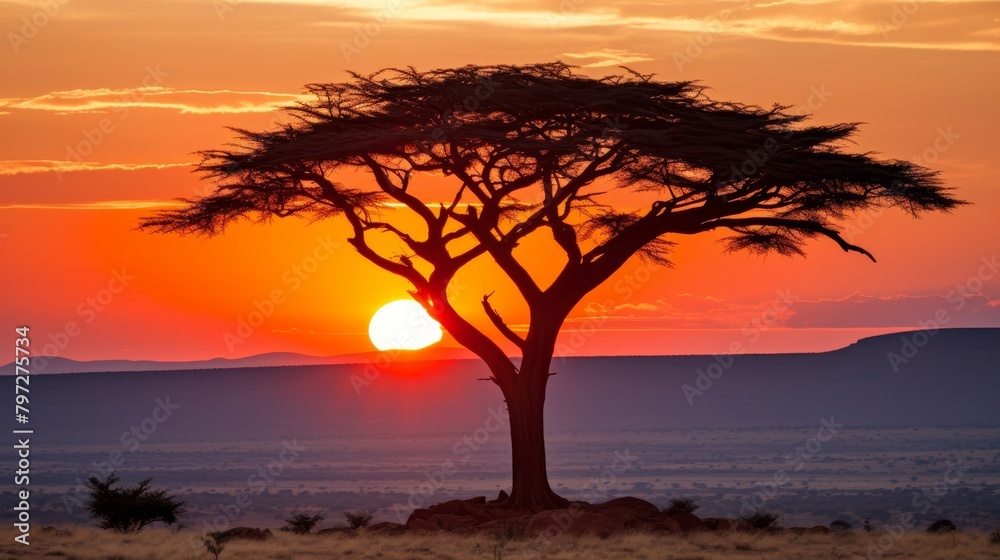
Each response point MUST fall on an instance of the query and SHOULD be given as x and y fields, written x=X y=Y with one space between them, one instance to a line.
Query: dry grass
x=92 y=544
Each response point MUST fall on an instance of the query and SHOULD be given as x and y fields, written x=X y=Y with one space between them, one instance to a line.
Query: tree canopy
x=543 y=150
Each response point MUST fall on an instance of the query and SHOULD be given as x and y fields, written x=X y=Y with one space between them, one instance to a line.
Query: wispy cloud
x=193 y=101
x=608 y=57
x=966 y=25
x=104 y=205
x=21 y=167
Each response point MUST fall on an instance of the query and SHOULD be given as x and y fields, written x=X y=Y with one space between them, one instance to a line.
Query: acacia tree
x=533 y=151
x=130 y=509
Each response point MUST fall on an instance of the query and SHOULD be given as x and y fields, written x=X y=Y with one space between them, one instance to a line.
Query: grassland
x=84 y=543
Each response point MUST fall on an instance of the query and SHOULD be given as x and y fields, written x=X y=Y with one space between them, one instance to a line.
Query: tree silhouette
x=130 y=509
x=533 y=151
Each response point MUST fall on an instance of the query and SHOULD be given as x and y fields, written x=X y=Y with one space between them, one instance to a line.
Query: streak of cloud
x=21 y=167
x=185 y=101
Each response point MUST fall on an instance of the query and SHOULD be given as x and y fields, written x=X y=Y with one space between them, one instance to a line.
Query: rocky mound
x=579 y=518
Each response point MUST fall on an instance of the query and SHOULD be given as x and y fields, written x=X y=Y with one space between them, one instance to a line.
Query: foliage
x=130 y=509
x=302 y=523
x=942 y=526
x=539 y=152
x=760 y=520
x=995 y=535
x=358 y=520
x=680 y=505
x=536 y=149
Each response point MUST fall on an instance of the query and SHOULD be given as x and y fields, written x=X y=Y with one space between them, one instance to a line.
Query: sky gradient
x=103 y=105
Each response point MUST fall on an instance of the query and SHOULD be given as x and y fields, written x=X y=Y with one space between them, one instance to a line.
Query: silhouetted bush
x=302 y=523
x=680 y=505
x=129 y=509
x=761 y=520
x=942 y=526
x=358 y=520
x=840 y=526
x=995 y=536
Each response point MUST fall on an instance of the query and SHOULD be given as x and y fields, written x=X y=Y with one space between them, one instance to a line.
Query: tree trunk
x=525 y=404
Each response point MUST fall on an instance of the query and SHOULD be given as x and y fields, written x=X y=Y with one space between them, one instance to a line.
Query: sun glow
x=403 y=325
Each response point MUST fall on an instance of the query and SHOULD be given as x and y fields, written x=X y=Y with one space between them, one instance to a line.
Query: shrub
x=302 y=523
x=214 y=545
x=840 y=526
x=761 y=520
x=995 y=536
x=358 y=520
x=942 y=526
x=130 y=509
x=678 y=506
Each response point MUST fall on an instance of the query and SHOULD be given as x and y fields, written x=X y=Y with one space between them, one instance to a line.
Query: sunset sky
x=103 y=104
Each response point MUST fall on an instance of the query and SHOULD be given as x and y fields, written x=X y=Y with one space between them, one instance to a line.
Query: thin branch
x=499 y=324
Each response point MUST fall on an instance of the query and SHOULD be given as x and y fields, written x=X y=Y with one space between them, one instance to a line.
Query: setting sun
x=403 y=325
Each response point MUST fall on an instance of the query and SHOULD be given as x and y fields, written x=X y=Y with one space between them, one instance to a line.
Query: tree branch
x=800 y=225
x=499 y=324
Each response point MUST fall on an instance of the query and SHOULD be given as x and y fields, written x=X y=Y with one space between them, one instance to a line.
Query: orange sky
x=102 y=104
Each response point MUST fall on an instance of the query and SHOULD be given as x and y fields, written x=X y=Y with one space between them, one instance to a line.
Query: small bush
x=840 y=526
x=678 y=506
x=358 y=520
x=761 y=520
x=942 y=526
x=129 y=509
x=995 y=536
x=214 y=545
x=302 y=523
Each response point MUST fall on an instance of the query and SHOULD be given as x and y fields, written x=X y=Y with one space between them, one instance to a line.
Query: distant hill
x=279 y=359
x=273 y=359
x=952 y=379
